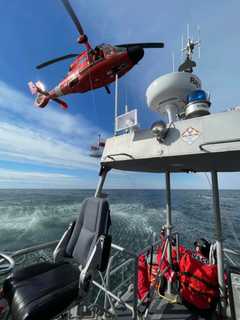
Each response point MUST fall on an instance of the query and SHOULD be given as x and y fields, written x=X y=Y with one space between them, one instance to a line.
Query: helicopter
x=93 y=68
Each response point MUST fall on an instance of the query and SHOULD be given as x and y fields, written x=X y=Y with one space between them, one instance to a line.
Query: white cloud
x=51 y=137
x=14 y=102
x=32 y=179
x=24 y=145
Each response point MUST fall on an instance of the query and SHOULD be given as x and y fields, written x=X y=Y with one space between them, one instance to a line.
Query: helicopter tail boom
x=43 y=96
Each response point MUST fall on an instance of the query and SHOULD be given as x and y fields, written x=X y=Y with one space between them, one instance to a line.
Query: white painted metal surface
x=200 y=144
x=171 y=89
x=127 y=120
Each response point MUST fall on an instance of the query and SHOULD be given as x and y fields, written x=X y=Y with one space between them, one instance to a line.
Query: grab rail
x=104 y=287
x=231 y=256
x=234 y=252
x=111 y=156
x=35 y=248
x=7 y=267
x=201 y=146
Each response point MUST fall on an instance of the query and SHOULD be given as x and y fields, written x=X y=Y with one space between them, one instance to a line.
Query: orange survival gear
x=143 y=280
x=198 y=282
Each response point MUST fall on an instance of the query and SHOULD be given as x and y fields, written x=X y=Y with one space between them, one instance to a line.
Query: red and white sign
x=190 y=135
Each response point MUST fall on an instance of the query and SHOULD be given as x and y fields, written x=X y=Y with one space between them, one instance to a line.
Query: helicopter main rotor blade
x=73 y=16
x=143 y=45
x=47 y=63
x=107 y=89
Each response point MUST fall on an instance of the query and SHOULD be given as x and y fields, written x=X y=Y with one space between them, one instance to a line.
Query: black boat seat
x=44 y=290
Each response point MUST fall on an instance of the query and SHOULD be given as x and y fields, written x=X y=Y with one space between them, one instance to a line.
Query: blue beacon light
x=197 y=104
x=197 y=95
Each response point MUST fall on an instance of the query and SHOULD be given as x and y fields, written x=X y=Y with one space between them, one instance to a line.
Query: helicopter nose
x=135 y=53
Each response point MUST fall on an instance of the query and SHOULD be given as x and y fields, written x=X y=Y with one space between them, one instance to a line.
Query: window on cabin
x=120 y=49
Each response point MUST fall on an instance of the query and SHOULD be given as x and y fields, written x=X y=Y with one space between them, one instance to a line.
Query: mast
x=219 y=240
x=168 y=225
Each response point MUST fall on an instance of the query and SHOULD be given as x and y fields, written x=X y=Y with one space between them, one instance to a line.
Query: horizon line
x=93 y=189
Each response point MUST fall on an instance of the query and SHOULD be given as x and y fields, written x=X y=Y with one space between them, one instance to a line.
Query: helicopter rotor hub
x=82 y=39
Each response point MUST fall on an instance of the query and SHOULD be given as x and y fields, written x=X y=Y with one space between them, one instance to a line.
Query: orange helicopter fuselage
x=91 y=70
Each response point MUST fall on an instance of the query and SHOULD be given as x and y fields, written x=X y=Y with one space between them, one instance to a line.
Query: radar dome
x=168 y=93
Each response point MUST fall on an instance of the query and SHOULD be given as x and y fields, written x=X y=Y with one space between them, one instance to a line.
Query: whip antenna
x=173 y=62
x=116 y=104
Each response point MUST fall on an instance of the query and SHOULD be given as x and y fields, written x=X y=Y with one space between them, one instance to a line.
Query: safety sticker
x=190 y=135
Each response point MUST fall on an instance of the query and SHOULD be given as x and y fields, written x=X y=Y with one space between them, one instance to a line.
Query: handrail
x=11 y=255
x=119 y=248
x=128 y=306
x=35 y=248
x=10 y=265
x=120 y=266
x=133 y=259
x=127 y=280
x=111 y=156
x=234 y=252
x=230 y=255
x=230 y=259
x=201 y=146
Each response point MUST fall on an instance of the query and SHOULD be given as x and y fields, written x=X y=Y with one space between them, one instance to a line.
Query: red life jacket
x=198 y=282
x=143 y=280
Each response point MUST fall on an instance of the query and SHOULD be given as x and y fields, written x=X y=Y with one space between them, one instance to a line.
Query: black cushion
x=10 y=284
x=41 y=291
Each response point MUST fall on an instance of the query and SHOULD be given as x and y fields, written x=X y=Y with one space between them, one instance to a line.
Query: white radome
x=171 y=90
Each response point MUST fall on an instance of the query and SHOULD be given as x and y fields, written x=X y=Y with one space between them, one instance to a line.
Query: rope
x=165 y=298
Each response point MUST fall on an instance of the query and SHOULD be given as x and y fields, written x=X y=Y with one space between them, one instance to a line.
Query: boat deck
x=159 y=309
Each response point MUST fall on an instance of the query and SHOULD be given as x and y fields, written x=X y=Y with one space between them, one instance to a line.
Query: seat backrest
x=93 y=221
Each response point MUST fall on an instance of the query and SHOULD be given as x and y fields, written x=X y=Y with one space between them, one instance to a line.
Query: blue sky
x=49 y=147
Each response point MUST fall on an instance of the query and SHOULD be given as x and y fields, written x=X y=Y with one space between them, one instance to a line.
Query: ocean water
x=29 y=217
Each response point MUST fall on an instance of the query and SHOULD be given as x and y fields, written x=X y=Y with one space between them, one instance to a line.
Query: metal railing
x=111 y=297
x=110 y=294
x=232 y=256
x=22 y=253
x=35 y=248
x=131 y=258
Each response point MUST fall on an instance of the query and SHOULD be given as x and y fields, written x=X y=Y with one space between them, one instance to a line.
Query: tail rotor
x=43 y=96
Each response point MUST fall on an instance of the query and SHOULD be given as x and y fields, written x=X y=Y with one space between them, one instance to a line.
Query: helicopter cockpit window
x=108 y=50
x=82 y=60
x=97 y=54
x=120 y=49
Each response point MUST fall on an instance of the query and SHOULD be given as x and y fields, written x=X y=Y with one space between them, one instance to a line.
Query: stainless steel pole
x=219 y=240
x=135 y=289
x=168 y=224
x=116 y=103
x=100 y=184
